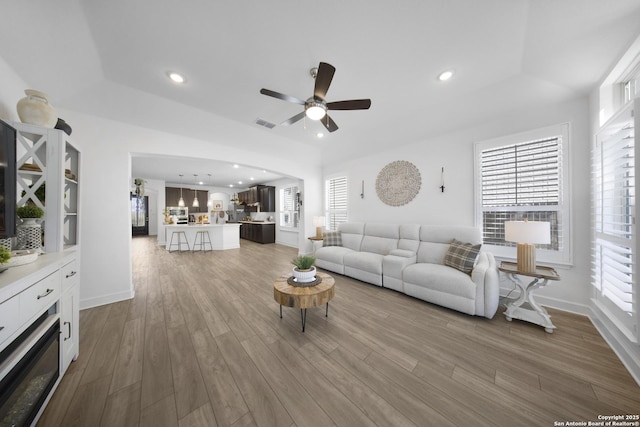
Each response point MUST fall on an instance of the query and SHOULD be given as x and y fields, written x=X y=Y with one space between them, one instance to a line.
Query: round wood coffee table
x=304 y=297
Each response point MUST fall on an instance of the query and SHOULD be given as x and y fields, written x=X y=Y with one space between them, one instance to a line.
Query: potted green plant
x=5 y=256
x=29 y=213
x=304 y=271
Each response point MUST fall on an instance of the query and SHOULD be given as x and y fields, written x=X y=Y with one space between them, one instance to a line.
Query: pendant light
x=209 y=201
x=196 y=203
x=181 y=201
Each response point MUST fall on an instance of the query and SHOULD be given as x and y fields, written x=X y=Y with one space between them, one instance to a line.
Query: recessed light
x=201 y=183
x=236 y=166
x=252 y=178
x=240 y=182
x=176 y=78
x=445 y=75
x=230 y=185
x=319 y=134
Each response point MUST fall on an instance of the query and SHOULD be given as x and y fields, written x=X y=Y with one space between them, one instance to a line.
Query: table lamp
x=527 y=234
x=318 y=222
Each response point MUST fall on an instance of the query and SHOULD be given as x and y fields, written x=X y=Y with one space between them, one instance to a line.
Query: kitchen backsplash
x=262 y=216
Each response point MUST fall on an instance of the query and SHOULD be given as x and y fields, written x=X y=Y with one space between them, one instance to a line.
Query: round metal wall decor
x=398 y=183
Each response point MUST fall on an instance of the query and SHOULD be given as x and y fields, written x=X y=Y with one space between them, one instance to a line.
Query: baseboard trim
x=286 y=244
x=107 y=299
x=627 y=352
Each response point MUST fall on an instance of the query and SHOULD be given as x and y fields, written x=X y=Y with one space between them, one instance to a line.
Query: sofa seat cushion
x=365 y=261
x=440 y=278
x=364 y=266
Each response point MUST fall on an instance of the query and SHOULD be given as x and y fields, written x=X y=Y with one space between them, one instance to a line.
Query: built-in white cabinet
x=49 y=175
x=69 y=314
x=37 y=299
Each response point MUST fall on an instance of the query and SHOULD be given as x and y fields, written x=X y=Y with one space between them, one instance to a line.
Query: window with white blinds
x=523 y=177
x=613 y=216
x=289 y=214
x=336 y=202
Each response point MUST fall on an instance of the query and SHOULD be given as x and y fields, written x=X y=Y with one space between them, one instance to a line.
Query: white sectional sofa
x=410 y=258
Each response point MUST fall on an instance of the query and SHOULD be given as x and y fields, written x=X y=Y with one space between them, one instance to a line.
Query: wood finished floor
x=202 y=344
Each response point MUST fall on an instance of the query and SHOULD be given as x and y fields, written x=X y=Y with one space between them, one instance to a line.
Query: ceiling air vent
x=265 y=123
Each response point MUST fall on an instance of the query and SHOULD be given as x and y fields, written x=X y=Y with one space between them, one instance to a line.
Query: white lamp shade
x=318 y=221
x=534 y=232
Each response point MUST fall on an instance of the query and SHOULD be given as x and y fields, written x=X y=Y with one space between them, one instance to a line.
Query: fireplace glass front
x=25 y=388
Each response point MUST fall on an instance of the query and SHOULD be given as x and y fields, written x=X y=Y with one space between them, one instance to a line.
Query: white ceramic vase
x=304 y=276
x=35 y=109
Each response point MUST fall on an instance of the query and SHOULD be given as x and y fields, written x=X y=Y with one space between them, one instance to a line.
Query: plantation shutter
x=288 y=198
x=521 y=174
x=336 y=193
x=521 y=181
x=613 y=216
x=288 y=205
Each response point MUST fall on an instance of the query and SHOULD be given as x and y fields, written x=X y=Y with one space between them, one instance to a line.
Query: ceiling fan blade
x=282 y=96
x=329 y=123
x=323 y=79
x=293 y=119
x=352 y=104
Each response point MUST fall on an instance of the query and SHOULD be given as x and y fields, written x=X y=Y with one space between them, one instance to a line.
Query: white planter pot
x=35 y=109
x=304 y=276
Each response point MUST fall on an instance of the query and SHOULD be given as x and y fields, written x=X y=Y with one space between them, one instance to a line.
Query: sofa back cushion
x=409 y=237
x=435 y=240
x=351 y=234
x=380 y=238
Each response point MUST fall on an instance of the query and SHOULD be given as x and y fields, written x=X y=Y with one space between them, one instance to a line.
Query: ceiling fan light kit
x=315 y=108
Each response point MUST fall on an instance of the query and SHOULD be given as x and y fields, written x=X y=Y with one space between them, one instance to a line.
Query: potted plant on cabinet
x=5 y=256
x=29 y=233
x=304 y=270
x=29 y=213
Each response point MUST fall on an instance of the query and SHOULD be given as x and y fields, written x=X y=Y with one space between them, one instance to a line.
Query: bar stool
x=203 y=241
x=180 y=234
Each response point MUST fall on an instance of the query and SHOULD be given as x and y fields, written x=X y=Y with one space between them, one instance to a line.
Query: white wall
x=11 y=90
x=456 y=205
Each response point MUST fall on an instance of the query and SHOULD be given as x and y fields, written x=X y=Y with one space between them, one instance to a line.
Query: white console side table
x=524 y=307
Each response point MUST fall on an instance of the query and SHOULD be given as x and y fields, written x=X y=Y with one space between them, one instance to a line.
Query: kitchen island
x=223 y=236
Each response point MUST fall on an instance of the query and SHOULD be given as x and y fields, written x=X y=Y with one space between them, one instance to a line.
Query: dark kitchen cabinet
x=202 y=201
x=253 y=194
x=172 y=195
x=268 y=199
x=264 y=195
x=260 y=233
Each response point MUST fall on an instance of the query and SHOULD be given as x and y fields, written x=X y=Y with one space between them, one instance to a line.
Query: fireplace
x=24 y=389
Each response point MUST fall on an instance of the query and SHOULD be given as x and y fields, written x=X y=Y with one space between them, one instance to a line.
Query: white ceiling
x=507 y=55
x=195 y=171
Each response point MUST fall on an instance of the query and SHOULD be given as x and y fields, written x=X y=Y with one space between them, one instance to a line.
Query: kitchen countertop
x=257 y=222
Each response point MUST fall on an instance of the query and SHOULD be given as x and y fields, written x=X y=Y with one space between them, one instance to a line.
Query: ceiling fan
x=315 y=108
